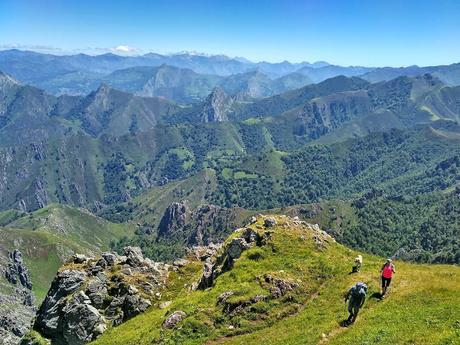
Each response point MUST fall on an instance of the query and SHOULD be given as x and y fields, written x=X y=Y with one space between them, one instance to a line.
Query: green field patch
x=257 y=120
x=227 y=173
x=243 y=174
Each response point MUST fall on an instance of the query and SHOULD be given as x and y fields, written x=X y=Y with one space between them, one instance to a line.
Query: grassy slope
x=43 y=252
x=423 y=300
x=151 y=205
x=47 y=237
x=77 y=225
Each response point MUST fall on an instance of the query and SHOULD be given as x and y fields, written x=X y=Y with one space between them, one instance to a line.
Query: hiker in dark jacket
x=356 y=297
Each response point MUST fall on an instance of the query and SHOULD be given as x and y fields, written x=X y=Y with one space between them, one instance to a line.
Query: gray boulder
x=82 y=303
x=269 y=222
x=236 y=247
x=81 y=322
x=79 y=259
x=175 y=318
x=134 y=256
x=110 y=258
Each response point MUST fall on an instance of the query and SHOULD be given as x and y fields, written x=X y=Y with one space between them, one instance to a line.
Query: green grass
x=150 y=206
x=43 y=253
x=243 y=174
x=424 y=300
x=257 y=120
x=77 y=225
x=8 y=216
x=49 y=236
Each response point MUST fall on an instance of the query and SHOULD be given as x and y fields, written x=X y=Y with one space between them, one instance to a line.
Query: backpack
x=360 y=286
x=358 y=292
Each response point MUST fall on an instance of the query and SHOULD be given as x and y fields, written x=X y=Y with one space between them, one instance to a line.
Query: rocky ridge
x=219 y=259
x=17 y=303
x=216 y=106
x=89 y=295
x=197 y=227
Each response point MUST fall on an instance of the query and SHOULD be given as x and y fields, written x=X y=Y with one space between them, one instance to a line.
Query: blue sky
x=366 y=32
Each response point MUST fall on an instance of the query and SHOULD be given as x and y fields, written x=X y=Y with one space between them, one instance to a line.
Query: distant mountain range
x=187 y=77
x=186 y=86
x=147 y=141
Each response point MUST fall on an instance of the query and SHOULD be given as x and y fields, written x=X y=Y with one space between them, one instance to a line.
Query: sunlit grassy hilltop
x=422 y=307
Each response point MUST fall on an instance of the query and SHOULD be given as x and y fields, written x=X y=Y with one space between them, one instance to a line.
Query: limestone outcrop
x=89 y=295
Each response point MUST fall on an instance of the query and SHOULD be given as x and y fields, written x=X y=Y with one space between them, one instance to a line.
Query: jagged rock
x=207 y=277
x=51 y=310
x=279 y=287
x=173 y=220
x=110 y=258
x=134 y=304
x=81 y=322
x=79 y=258
x=250 y=235
x=216 y=106
x=100 y=265
x=175 y=318
x=269 y=222
x=216 y=265
x=180 y=262
x=197 y=227
x=222 y=298
x=16 y=271
x=134 y=256
x=9 y=323
x=203 y=252
x=83 y=302
x=96 y=291
x=17 y=308
x=252 y=220
x=236 y=247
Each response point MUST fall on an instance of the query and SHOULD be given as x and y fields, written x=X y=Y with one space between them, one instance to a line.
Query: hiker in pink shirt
x=387 y=273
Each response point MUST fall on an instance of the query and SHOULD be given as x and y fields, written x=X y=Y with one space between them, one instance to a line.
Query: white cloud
x=125 y=50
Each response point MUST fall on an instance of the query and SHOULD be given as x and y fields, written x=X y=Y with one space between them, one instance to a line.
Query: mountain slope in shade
x=448 y=74
x=186 y=86
x=110 y=111
x=181 y=85
x=30 y=115
x=320 y=74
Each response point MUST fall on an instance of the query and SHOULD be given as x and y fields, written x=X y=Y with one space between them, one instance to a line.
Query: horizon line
x=45 y=50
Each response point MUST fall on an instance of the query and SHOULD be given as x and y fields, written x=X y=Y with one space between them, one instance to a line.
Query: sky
x=345 y=32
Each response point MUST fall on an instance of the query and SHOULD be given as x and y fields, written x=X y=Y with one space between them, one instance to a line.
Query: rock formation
x=17 y=272
x=197 y=227
x=216 y=106
x=90 y=295
x=221 y=262
x=16 y=299
x=173 y=220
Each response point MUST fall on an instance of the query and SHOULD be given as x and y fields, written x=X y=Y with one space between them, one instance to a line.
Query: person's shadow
x=377 y=295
